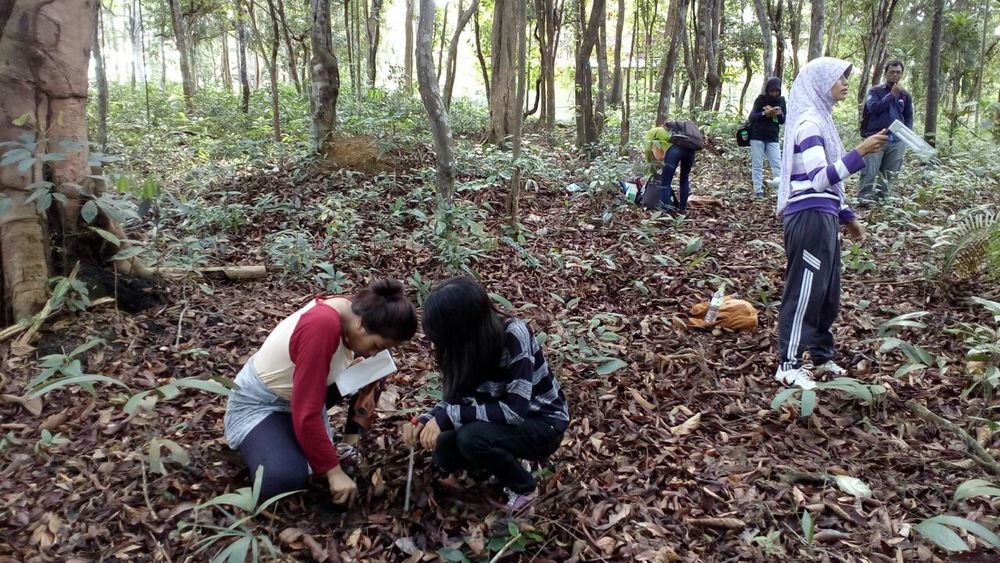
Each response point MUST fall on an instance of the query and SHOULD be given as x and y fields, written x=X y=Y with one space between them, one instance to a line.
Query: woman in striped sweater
x=501 y=402
x=811 y=200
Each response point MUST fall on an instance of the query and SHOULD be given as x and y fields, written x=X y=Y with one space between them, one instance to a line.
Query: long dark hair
x=385 y=310
x=467 y=333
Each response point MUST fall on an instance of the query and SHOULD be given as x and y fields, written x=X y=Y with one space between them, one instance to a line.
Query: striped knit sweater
x=817 y=183
x=530 y=390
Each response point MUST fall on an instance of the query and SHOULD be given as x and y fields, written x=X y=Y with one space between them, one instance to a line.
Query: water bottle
x=713 y=306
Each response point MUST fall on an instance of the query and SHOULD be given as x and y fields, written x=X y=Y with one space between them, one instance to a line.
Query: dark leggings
x=272 y=445
x=497 y=448
x=685 y=158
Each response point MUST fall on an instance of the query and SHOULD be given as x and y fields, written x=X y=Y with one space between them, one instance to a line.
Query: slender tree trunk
x=690 y=85
x=463 y=20
x=180 y=37
x=549 y=24
x=444 y=32
x=720 y=64
x=673 y=32
x=142 y=45
x=293 y=70
x=504 y=111
x=626 y=128
x=748 y=68
x=615 y=98
x=272 y=69
x=227 y=73
x=325 y=77
x=934 y=74
x=134 y=41
x=514 y=196
x=879 y=19
x=795 y=30
x=348 y=28
x=436 y=112
x=702 y=39
x=373 y=24
x=713 y=79
x=163 y=67
x=833 y=31
x=101 y=79
x=777 y=25
x=586 y=126
x=408 y=47
x=241 y=41
x=359 y=56
x=816 y=29
x=600 y=110
x=482 y=60
x=985 y=16
x=765 y=36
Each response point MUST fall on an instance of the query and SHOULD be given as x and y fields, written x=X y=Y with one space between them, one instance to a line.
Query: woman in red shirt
x=277 y=418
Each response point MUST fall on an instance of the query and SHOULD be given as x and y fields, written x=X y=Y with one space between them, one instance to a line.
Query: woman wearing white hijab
x=811 y=200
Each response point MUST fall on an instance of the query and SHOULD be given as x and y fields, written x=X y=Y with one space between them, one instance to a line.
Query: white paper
x=912 y=140
x=364 y=372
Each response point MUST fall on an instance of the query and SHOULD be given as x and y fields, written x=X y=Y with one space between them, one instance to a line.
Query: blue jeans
x=685 y=157
x=880 y=170
x=757 y=151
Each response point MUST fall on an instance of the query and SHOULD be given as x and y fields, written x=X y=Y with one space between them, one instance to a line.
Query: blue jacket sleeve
x=878 y=103
x=757 y=113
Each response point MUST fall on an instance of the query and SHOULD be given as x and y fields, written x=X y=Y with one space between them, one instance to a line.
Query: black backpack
x=686 y=135
x=743 y=134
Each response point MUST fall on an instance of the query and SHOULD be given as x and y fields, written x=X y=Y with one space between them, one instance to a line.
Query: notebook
x=364 y=372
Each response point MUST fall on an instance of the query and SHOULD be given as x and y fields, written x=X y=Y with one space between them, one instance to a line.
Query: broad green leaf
x=908 y=368
x=889 y=344
x=80 y=380
x=452 y=554
x=204 y=385
x=127 y=253
x=235 y=552
x=169 y=391
x=144 y=400
x=968 y=525
x=901 y=321
x=808 y=402
x=24 y=165
x=44 y=202
x=87 y=346
x=22 y=120
x=782 y=397
x=610 y=367
x=853 y=486
x=976 y=488
x=941 y=535
x=502 y=301
x=807 y=526
x=110 y=237
x=89 y=211
x=242 y=499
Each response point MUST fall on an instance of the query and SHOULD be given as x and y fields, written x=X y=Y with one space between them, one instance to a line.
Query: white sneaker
x=800 y=377
x=831 y=367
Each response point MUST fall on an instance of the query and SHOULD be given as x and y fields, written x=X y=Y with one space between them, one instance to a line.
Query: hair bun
x=387 y=289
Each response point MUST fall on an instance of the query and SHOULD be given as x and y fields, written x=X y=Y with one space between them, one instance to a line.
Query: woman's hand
x=411 y=433
x=343 y=489
x=874 y=143
x=429 y=434
x=856 y=231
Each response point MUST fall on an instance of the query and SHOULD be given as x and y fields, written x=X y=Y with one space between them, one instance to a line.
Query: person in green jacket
x=659 y=149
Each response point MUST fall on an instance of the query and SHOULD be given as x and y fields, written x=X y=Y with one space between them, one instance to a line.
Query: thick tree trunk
x=673 y=32
x=549 y=24
x=702 y=23
x=463 y=20
x=586 y=126
x=101 y=78
x=713 y=79
x=777 y=25
x=482 y=59
x=408 y=47
x=879 y=18
x=436 y=113
x=180 y=37
x=372 y=26
x=514 y=196
x=293 y=68
x=934 y=74
x=795 y=30
x=241 y=40
x=504 y=111
x=765 y=35
x=616 y=77
x=816 y=29
x=325 y=77
x=748 y=68
x=227 y=72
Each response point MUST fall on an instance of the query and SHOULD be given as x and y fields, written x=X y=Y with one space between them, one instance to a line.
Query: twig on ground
x=976 y=451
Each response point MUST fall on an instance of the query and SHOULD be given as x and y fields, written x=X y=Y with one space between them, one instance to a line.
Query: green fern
x=972 y=245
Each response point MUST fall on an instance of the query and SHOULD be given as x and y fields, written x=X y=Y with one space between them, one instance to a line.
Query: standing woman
x=766 y=118
x=277 y=418
x=811 y=200
x=501 y=402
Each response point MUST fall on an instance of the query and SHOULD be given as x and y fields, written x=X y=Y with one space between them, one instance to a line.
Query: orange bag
x=734 y=314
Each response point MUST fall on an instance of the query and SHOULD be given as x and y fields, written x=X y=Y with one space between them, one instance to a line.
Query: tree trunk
x=372 y=26
x=600 y=110
x=713 y=79
x=748 y=67
x=163 y=66
x=777 y=25
x=133 y=36
x=180 y=37
x=241 y=40
x=765 y=36
x=623 y=138
x=482 y=59
x=673 y=32
x=720 y=65
x=549 y=23
x=833 y=31
x=879 y=18
x=408 y=47
x=272 y=69
x=586 y=126
x=504 y=111
x=348 y=27
x=227 y=73
x=615 y=98
x=795 y=30
x=463 y=20
x=689 y=65
x=102 y=81
x=293 y=70
x=436 y=113
x=934 y=74
x=444 y=32
x=142 y=48
x=980 y=69
x=514 y=196
x=325 y=77
x=816 y=29
x=702 y=23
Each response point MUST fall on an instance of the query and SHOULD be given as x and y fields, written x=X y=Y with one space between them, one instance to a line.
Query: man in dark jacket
x=885 y=103
x=766 y=117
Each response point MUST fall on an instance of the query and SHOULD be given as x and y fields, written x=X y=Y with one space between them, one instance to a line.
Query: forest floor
x=674 y=456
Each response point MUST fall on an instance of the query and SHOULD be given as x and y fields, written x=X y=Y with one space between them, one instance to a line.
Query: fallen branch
x=976 y=451
x=233 y=273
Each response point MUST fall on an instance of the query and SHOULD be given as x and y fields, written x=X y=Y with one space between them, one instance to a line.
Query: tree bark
x=482 y=59
x=586 y=126
x=350 y=39
x=444 y=32
x=777 y=13
x=703 y=19
x=514 y=196
x=623 y=138
x=879 y=18
x=713 y=79
x=615 y=98
x=504 y=111
x=241 y=40
x=600 y=109
x=372 y=26
x=227 y=73
x=795 y=30
x=408 y=47
x=436 y=112
x=272 y=65
x=133 y=35
x=981 y=68
x=934 y=74
x=549 y=24
x=673 y=32
x=765 y=35
x=816 y=29
x=101 y=78
x=293 y=70
x=180 y=38
x=748 y=67
x=325 y=77
x=463 y=20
